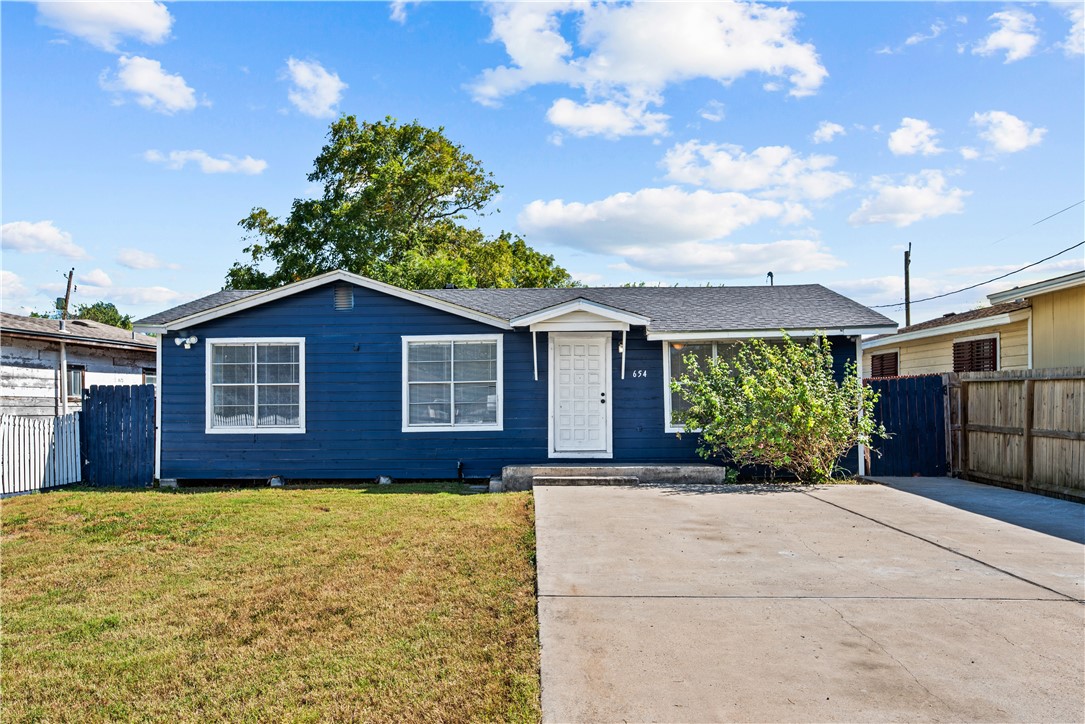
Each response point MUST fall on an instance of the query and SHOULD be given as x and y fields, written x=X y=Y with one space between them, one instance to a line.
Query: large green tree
x=394 y=205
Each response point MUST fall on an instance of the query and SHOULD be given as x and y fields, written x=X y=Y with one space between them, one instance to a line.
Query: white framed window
x=77 y=377
x=452 y=383
x=255 y=384
x=674 y=366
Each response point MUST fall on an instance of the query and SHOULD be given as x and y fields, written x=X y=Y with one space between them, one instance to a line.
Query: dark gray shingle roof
x=671 y=309
x=198 y=305
x=688 y=309
x=74 y=330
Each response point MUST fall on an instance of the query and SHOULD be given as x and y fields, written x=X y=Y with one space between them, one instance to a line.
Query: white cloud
x=314 y=91
x=120 y=295
x=922 y=196
x=936 y=29
x=968 y=153
x=627 y=54
x=142 y=295
x=12 y=290
x=1005 y=132
x=35 y=237
x=1016 y=35
x=712 y=260
x=96 y=278
x=914 y=136
x=176 y=160
x=1075 y=39
x=153 y=88
x=674 y=232
x=397 y=10
x=607 y=119
x=105 y=24
x=827 y=131
x=649 y=216
x=139 y=259
x=713 y=111
x=770 y=171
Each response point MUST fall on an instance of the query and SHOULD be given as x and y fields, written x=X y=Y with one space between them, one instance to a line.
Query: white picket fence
x=38 y=453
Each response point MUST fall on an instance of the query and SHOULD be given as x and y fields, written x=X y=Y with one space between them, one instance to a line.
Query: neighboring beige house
x=1037 y=326
x=46 y=365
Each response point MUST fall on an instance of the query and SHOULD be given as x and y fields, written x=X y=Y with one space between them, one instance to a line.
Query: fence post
x=1026 y=441
x=963 y=416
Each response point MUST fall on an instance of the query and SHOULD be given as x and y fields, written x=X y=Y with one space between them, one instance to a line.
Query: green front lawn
x=376 y=603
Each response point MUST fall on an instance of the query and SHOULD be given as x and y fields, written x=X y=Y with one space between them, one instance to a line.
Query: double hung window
x=256 y=385
x=452 y=383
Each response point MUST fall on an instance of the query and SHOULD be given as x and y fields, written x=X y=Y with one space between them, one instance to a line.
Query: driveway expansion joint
x=946 y=548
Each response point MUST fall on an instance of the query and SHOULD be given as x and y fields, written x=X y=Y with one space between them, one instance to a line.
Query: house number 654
x=640 y=373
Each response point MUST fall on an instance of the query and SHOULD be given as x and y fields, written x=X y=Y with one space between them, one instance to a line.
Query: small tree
x=104 y=312
x=778 y=406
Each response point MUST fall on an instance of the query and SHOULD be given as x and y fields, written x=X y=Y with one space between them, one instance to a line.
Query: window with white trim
x=452 y=383
x=256 y=385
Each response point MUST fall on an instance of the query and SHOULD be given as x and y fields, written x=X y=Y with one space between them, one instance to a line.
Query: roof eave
x=845 y=331
x=256 y=300
x=1045 y=287
x=994 y=320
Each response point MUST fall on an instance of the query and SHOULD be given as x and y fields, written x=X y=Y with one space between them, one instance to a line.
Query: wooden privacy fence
x=37 y=453
x=1023 y=428
x=913 y=410
x=118 y=435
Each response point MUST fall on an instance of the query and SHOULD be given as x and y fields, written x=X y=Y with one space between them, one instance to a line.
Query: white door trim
x=608 y=342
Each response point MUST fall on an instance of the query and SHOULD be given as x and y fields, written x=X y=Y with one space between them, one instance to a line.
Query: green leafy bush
x=778 y=405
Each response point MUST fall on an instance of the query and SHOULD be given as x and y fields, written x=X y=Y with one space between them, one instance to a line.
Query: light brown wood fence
x=1024 y=428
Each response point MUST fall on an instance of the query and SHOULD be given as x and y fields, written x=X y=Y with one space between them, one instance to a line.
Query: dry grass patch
x=409 y=603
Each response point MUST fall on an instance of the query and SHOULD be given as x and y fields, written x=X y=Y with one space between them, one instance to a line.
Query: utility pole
x=907 y=287
x=63 y=386
x=67 y=298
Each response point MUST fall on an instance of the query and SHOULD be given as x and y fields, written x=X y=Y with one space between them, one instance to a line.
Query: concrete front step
x=522 y=477
x=585 y=480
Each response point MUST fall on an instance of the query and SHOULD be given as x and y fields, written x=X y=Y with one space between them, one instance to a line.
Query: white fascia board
x=766 y=333
x=949 y=329
x=1045 y=287
x=334 y=276
x=580 y=305
x=148 y=328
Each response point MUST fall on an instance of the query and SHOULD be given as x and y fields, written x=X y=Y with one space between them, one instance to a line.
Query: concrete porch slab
x=520 y=477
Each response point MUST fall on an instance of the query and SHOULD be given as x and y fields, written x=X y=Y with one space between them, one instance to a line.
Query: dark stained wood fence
x=117 y=431
x=913 y=410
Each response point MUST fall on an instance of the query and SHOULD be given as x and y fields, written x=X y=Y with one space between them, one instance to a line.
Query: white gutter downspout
x=535 y=354
x=859 y=374
x=158 y=407
x=623 y=354
x=63 y=379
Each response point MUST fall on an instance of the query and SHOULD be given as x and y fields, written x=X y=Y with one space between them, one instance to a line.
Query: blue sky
x=658 y=143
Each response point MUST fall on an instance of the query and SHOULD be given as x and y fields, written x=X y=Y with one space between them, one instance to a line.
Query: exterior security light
x=186 y=341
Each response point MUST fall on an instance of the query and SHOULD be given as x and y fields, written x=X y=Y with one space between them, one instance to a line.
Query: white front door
x=580 y=395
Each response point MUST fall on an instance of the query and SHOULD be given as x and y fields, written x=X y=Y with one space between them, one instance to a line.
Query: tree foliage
x=392 y=208
x=104 y=312
x=779 y=406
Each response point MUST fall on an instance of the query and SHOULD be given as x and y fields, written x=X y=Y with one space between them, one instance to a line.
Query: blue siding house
x=343 y=377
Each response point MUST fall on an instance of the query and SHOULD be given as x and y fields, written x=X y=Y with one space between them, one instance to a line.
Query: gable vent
x=344 y=296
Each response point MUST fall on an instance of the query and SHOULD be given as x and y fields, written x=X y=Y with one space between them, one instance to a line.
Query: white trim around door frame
x=607 y=339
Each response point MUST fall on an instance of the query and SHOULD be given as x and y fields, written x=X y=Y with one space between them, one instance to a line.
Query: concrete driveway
x=845 y=603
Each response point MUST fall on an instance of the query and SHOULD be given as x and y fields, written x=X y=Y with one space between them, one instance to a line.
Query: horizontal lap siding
x=353 y=398
x=354 y=406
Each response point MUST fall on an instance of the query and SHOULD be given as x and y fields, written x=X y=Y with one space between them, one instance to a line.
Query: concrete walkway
x=845 y=603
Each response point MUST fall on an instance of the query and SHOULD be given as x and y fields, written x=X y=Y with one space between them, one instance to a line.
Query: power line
x=1036 y=223
x=965 y=289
